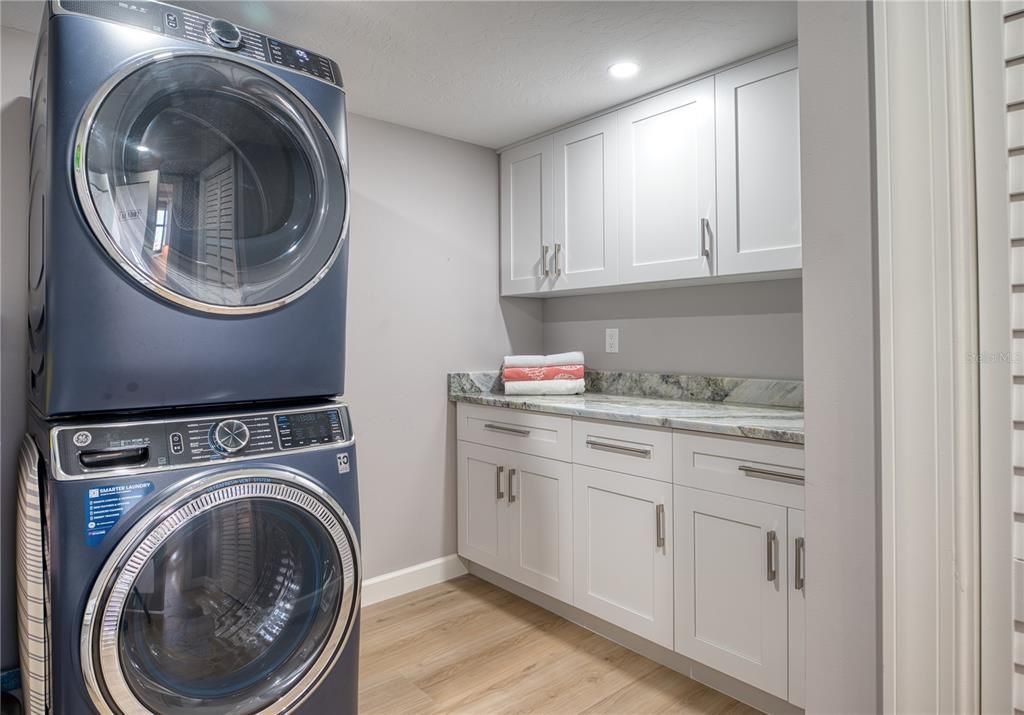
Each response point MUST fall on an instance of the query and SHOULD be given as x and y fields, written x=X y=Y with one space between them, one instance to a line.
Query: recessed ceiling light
x=623 y=70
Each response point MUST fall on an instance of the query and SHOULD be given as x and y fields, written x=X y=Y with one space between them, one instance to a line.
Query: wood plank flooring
x=465 y=646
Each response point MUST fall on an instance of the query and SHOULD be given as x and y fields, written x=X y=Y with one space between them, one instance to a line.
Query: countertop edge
x=757 y=432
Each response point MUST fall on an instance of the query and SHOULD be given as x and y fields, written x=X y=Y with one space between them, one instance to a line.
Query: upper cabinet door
x=585 y=251
x=758 y=122
x=526 y=217
x=667 y=185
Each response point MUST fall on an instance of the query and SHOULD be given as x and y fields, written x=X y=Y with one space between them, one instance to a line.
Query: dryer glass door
x=211 y=183
x=236 y=602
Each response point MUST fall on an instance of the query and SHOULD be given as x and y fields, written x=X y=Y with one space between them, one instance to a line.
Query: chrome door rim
x=118 y=574
x=102 y=234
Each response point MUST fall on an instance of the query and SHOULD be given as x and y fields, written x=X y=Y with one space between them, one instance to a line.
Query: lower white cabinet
x=797 y=615
x=515 y=516
x=622 y=549
x=732 y=587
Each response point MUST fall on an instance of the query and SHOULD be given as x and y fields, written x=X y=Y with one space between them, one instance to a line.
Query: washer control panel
x=160 y=444
x=207 y=30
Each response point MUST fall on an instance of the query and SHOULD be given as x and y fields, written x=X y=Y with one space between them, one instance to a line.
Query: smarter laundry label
x=104 y=507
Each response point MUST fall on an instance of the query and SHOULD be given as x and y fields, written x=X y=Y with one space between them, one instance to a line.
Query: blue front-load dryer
x=203 y=565
x=189 y=213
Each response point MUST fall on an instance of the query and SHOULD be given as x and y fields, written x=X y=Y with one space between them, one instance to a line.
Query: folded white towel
x=573 y=358
x=545 y=387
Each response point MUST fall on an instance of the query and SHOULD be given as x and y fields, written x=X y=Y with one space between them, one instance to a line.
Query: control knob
x=229 y=436
x=224 y=34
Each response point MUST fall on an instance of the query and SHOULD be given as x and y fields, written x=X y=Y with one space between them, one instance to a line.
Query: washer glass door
x=211 y=183
x=236 y=602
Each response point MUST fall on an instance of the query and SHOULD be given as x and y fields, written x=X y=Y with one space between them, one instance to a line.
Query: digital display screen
x=303 y=429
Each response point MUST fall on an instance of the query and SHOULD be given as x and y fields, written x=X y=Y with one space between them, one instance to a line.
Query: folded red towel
x=551 y=372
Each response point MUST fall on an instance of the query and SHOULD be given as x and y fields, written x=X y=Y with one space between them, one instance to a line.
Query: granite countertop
x=778 y=418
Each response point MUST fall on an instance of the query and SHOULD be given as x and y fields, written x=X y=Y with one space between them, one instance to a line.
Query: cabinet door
x=482 y=493
x=667 y=185
x=585 y=205
x=731 y=586
x=622 y=551
x=540 y=525
x=526 y=193
x=797 y=617
x=757 y=111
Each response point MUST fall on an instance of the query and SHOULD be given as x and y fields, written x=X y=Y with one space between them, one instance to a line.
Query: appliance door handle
x=517 y=431
x=497 y=483
x=621 y=449
x=511 y=494
x=772 y=542
x=659 y=526
x=798 y=567
x=771 y=475
x=544 y=259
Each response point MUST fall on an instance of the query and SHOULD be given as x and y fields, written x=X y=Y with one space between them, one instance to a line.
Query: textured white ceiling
x=492 y=73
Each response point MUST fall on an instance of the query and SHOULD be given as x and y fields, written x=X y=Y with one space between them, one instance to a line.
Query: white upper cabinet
x=667 y=185
x=758 y=129
x=585 y=205
x=526 y=216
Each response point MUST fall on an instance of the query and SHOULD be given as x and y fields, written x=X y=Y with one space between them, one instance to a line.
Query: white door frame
x=928 y=370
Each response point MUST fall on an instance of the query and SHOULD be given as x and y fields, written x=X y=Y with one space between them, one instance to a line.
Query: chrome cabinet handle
x=659 y=526
x=798 y=580
x=508 y=430
x=771 y=475
x=773 y=556
x=544 y=259
x=558 y=263
x=511 y=494
x=705 y=229
x=630 y=451
x=497 y=480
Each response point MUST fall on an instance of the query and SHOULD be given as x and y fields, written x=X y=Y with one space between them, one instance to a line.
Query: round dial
x=224 y=34
x=230 y=436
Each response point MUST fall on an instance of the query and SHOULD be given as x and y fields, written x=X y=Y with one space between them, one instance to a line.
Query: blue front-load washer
x=189 y=213
x=206 y=564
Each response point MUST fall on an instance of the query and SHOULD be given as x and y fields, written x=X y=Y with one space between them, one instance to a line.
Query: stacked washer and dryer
x=188 y=509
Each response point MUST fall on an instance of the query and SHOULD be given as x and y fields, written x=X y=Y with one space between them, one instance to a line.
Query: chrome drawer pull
x=511 y=494
x=497 y=480
x=771 y=475
x=508 y=430
x=798 y=581
x=630 y=451
x=659 y=526
x=773 y=556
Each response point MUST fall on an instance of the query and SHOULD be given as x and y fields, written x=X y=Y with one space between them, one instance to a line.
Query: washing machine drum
x=211 y=183
x=236 y=601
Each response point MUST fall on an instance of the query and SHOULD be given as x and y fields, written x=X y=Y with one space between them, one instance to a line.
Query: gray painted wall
x=840 y=357
x=16 y=52
x=736 y=329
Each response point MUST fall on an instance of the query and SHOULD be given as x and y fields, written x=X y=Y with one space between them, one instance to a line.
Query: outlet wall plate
x=611 y=340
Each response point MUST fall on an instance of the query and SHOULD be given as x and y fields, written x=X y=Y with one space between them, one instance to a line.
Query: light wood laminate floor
x=465 y=646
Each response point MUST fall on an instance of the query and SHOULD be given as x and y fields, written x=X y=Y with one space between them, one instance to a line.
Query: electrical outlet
x=611 y=340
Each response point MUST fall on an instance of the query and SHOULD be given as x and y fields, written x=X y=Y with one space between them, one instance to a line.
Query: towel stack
x=560 y=374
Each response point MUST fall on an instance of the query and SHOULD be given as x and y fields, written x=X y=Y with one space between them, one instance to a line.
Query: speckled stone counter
x=758 y=409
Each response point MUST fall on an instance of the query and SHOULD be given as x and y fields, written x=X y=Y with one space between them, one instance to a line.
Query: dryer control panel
x=126 y=446
x=212 y=31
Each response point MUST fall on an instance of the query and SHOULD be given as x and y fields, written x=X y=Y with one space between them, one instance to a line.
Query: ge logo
x=82 y=439
x=343 y=463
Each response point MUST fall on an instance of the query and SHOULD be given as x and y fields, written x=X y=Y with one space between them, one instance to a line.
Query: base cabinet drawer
x=529 y=432
x=643 y=451
x=732 y=586
x=515 y=516
x=622 y=551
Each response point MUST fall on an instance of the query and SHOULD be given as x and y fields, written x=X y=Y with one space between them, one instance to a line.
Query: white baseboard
x=413 y=578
